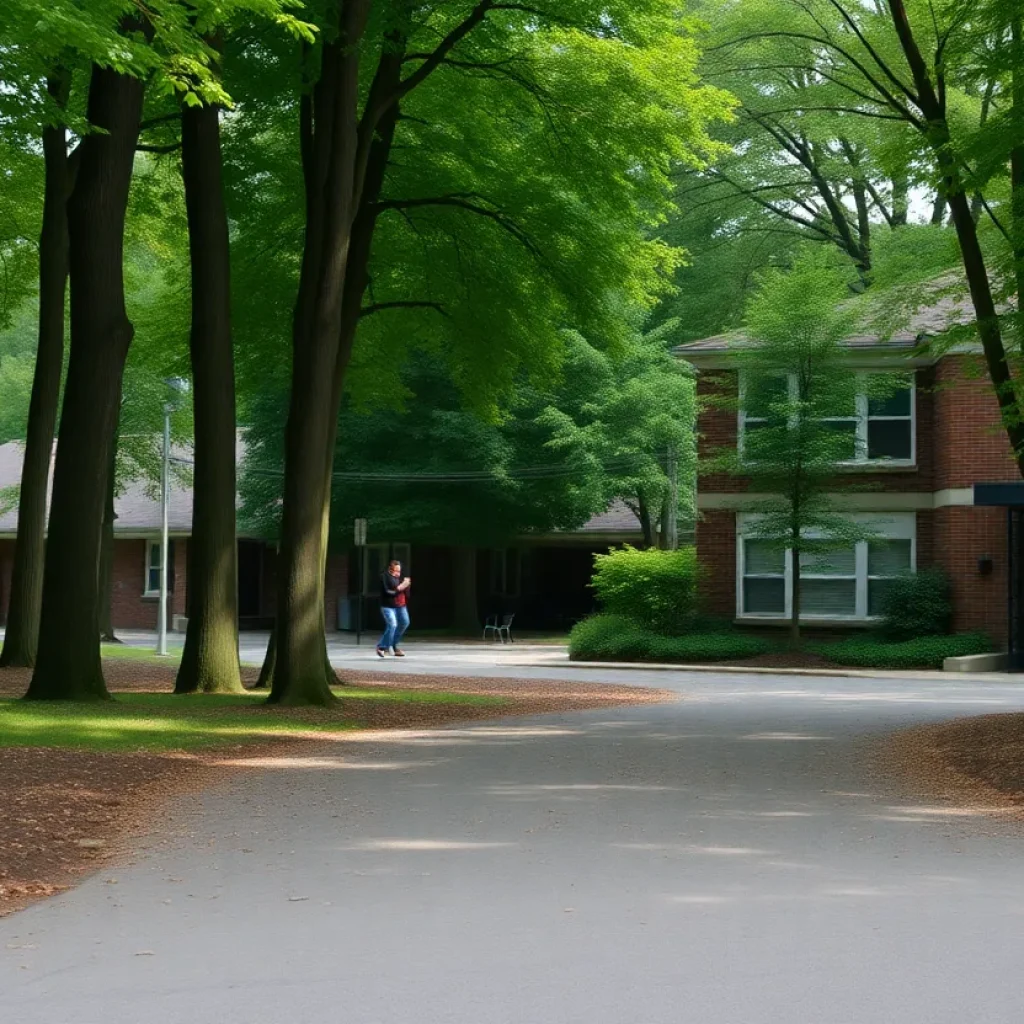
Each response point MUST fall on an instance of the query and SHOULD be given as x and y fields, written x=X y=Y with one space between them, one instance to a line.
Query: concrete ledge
x=977 y=663
x=179 y=623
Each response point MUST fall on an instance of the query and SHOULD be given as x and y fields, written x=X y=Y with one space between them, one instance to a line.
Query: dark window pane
x=828 y=597
x=888 y=557
x=889 y=439
x=833 y=562
x=842 y=439
x=893 y=403
x=876 y=595
x=762 y=397
x=764 y=597
x=764 y=559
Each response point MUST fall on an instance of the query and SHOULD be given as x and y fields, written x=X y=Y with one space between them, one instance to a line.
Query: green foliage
x=794 y=376
x=610 y=637
x=163 y=721
x=624 y=410
x=656 y=589
x=917 y=605
x=926 y=652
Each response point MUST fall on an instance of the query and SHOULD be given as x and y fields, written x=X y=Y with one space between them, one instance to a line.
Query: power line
x=621 y=464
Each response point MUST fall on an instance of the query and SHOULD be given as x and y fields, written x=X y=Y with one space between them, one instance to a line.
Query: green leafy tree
x=478 y=239
x=629 y=410
x=951 y=73
x=794 y=379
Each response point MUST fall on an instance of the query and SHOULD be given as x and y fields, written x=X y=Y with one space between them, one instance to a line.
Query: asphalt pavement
x=729 y=858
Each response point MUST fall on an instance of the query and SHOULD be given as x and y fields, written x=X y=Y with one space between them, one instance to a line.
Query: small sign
x=360 y=533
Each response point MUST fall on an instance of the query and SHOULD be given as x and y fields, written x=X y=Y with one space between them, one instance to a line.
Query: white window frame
x=862 y=416
x=887 y=526
x=153 y=543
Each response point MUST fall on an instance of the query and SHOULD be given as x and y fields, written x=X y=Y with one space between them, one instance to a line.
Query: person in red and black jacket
x=394 y=589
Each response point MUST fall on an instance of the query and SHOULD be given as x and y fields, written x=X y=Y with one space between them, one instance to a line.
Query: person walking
x=394 y=589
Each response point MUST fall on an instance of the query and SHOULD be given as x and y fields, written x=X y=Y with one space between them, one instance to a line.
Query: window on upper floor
x=878 y=427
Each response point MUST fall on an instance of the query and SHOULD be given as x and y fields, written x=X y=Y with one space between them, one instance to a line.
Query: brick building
x=542 y=579
x=920 y=451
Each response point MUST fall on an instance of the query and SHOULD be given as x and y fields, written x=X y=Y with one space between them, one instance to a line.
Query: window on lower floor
x=845 y=582
x=152 y=588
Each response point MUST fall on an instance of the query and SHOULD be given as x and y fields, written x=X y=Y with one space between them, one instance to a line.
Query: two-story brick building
x=920 y=452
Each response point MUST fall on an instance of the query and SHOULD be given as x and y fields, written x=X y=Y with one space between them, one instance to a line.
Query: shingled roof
x=945 y=313
x=138 y=508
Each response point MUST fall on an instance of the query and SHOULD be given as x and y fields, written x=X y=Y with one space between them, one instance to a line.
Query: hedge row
x=927 y=652
x=618 y=638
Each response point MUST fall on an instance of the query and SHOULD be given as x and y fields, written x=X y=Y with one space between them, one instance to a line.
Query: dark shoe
x=381 y=652
x=399 y=653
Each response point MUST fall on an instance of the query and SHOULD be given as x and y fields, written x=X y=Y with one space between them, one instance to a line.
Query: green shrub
x=698 y=647
x=657 y=589
x=917 y=605
x=926 y=652
x=619 y=638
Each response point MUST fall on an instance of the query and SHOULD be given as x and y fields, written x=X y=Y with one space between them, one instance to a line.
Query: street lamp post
x=165 y=496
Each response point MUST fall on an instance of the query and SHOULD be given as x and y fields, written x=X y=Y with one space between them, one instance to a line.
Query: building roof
x=943 y=314
x=138 y=508
x=618 y=519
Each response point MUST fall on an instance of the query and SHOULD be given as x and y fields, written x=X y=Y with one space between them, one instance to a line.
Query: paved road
x=727 y=859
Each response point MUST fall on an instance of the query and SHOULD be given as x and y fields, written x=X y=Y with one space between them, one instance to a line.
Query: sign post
x=360 y=541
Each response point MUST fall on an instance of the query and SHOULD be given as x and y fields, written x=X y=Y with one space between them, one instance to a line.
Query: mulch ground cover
x=972 y=763
x=68 y=812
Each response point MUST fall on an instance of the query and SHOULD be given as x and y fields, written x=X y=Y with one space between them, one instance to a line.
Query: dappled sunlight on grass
x=164 y=722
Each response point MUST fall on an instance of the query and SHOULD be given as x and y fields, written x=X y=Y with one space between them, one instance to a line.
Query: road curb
x=725 y=669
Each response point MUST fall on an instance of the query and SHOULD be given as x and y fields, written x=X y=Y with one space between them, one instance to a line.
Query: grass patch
x=928 y=652
x=156 y=722
x=126 y=652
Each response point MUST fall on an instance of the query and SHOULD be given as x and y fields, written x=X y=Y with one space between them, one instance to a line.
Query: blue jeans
x=396 y=622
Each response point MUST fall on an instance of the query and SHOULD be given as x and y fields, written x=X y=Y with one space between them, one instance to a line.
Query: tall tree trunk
x=266 y=676
x=209 y=660
x=794 y=612
x=106 y=583
x=646 y=523
x=932 y=104
x=299 y=676
x=1017 y=159
x=465 y=611
x=69 y=666
x=900 y=199
x=22 y=634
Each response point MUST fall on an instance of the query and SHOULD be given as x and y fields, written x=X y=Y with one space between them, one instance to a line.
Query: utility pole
x=165 y=495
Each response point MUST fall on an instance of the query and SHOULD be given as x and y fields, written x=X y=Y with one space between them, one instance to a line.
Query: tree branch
x=378 y=307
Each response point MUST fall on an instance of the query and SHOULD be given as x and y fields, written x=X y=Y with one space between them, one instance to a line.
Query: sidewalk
x=343 y=650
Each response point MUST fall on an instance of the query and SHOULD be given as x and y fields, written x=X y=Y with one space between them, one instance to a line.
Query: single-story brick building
x=920 y=451
x=543 y=579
